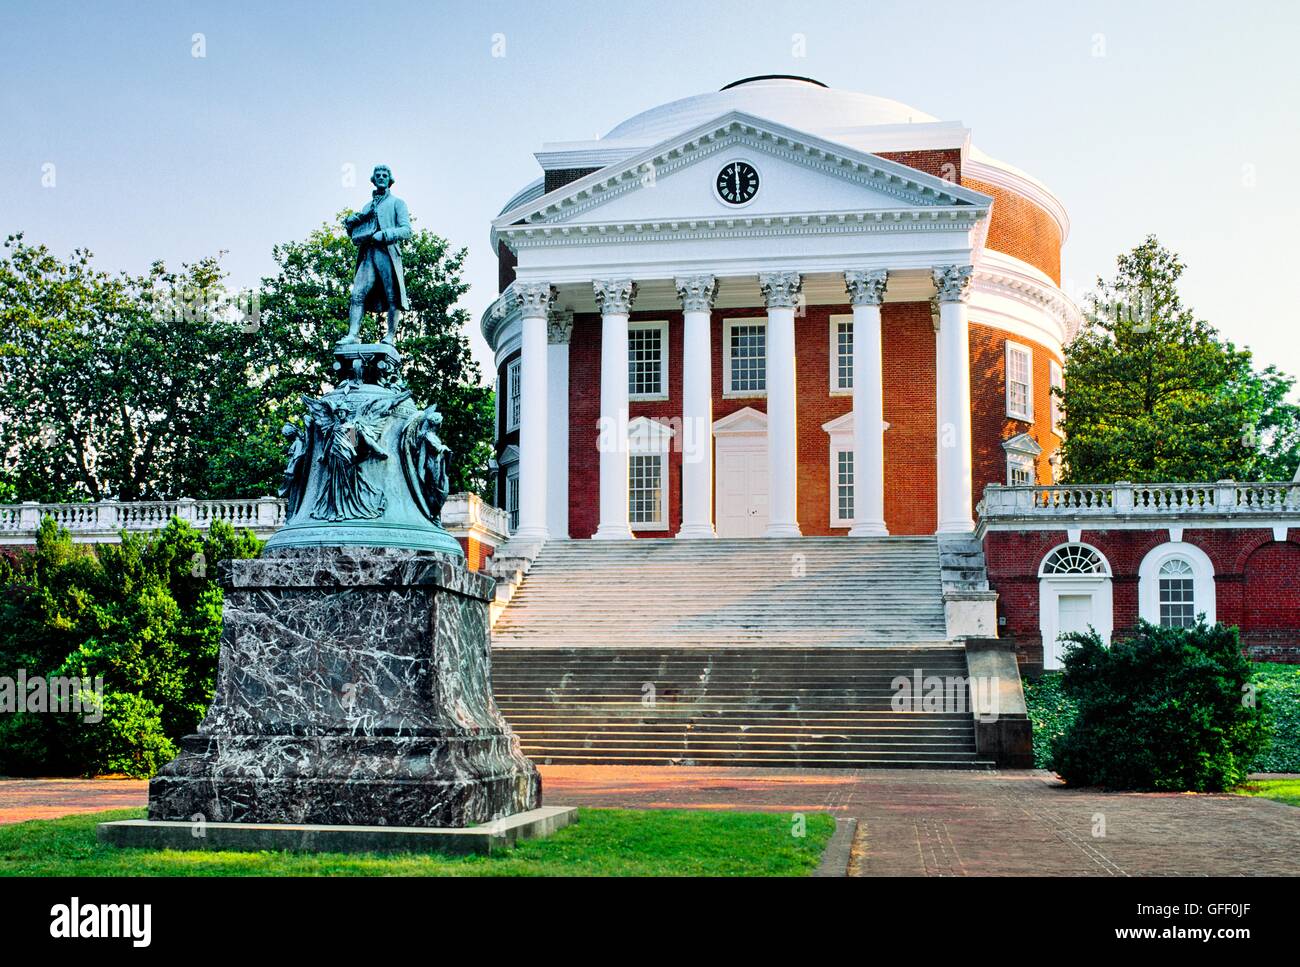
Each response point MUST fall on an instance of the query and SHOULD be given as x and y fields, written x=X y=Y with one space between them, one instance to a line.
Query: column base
x=613 y=532
x=871 y=528
x=965 y=526
x=696 y=532
x=531 y=535
x=783 y=530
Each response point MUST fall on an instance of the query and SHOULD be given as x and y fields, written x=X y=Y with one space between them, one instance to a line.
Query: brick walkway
x=910 y=822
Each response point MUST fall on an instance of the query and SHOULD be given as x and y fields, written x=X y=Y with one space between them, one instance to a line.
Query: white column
x=866 y=292
x=781 y=293
x=697 y=294
x=614 y=297
x=955 y=471
x=535 y=300
x=559 y=330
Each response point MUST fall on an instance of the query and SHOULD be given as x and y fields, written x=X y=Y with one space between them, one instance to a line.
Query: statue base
x=354 y=688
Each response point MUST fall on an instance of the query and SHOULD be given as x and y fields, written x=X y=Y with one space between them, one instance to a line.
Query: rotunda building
x=776 y=309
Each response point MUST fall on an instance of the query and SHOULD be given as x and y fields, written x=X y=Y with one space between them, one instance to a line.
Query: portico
x=792 y=311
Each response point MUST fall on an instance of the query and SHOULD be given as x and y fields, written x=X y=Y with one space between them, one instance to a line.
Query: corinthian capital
x=534 y=298
x=780 y=289
x=614 y=296
x=697 y=292
x=866 y=287
x=953 y=282
x=559 y=326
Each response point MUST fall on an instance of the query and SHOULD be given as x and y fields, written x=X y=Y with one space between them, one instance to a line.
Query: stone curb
x=835 y=858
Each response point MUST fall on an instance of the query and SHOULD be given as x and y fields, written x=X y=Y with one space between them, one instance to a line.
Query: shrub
x=1279 y=693
x=1166 y=709
x=145 y=615
x=1050 y=713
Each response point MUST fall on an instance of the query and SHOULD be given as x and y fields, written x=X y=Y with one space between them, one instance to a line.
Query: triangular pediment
x=799 y=175
x=1022 y=443
x=744 y=420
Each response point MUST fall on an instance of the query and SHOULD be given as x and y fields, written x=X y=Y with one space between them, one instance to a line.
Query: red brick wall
x=945 y=164
x=476 y=552
x=1257 y=582
x=1020 y=228
x=989 y=422
x=911 y=442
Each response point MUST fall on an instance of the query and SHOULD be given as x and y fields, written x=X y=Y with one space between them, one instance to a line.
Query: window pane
x=748 y=353
x=844 y=354
x=512 y=500
x=645 y=362
x=1018 y=381
x=515 y=396
x=645 y=495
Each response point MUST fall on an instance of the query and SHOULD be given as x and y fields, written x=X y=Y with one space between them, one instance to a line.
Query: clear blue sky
x=1187 y=127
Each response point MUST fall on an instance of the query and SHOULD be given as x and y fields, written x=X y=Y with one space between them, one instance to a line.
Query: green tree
x=107 y=382
x=1153 y=393
x=145 y=615
x=303 y=311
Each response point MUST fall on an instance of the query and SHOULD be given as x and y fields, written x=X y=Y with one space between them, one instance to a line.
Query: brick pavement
x=910 y=822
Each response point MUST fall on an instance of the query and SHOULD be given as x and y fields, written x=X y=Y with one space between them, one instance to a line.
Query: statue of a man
x=377 y=231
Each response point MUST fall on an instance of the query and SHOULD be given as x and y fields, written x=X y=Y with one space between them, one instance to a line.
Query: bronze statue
x=298 y=466
x=425 y=462
x=349 y=437
x=378 y=231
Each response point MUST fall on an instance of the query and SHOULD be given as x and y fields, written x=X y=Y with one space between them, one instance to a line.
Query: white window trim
x=834 y=356
x=662 y=326
x=727 y=328
x=1057 y=379
x=514 y=376
x=840 y=431
x=509 y=463
x=1013 y=347
x=650 y=437
x=1050 y=589
x=1203 y=587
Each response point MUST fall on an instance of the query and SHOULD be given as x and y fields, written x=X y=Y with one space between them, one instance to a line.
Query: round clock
x=737 y=183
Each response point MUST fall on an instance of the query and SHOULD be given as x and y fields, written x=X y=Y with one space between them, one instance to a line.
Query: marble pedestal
x=353 y=688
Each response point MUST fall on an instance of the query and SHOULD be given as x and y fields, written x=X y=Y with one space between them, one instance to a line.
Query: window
x=512 y=497
x=1177 y=594
x=647 y=360
x=1058 y=382
x=841 y=354
x=1020 y=470
x=745 y=359
x=1020 y=400
x=645 y=490
x=1022 y=453
x=515 y=400
x=1074 y=559
x=1176 y=586
x=843 y=507
x=647 y=474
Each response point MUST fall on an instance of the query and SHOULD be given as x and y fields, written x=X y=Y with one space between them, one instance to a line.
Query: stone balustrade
x=103 y=521
x=1154 y=502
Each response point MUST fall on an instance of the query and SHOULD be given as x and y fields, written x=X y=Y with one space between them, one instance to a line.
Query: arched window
x=1074 y=559
x=1176 y=585
x=1177 y=594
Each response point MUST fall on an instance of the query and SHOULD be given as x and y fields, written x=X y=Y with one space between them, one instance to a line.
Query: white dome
x=800 y=103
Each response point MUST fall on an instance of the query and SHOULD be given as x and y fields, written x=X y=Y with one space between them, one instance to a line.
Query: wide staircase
x=780 y=653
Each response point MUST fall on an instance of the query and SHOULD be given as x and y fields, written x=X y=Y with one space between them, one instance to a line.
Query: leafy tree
x=1153 y=393
x=107 y=382
x=304 y=311
x=145 y=615
x=1165 y=709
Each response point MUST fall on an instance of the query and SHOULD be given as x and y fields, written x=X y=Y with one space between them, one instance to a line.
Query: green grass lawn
x=605 y=842
x=1282 y=790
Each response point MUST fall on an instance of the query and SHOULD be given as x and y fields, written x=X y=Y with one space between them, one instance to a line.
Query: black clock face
x=737 y=183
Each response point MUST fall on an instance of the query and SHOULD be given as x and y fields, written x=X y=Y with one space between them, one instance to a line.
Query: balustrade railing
x=1157 y=500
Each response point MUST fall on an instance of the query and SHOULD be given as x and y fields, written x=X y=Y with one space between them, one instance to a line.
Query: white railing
x=105 y=520
x=1224 y=498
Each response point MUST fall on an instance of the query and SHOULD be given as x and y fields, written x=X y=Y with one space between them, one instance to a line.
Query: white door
x=1074 y=613
x=741 y=491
